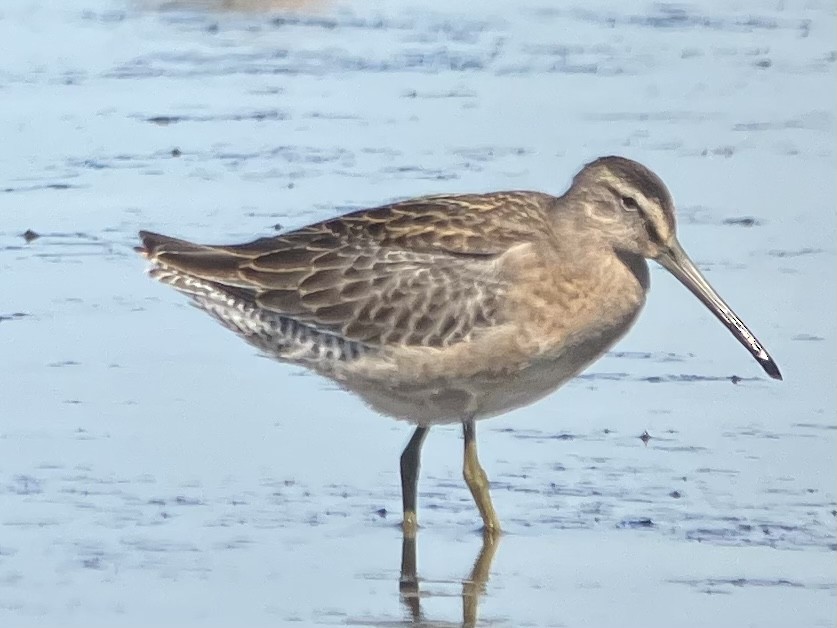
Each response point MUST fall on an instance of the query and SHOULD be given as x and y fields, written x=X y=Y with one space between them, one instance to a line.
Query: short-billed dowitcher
x=449 y=309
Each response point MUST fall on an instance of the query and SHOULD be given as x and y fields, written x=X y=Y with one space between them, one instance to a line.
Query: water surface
x=153 y=470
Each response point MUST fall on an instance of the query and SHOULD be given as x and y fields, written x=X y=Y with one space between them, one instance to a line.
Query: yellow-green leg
x=477 y=480
x=410 y=462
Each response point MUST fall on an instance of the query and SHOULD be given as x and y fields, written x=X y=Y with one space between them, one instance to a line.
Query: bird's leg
x=477 y=481
x=410 y=458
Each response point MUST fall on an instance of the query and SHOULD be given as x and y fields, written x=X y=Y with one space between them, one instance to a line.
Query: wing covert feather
x=418 y=272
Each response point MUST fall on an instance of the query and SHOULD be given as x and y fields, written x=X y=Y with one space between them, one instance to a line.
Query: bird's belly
x=448 y=397
x=528 y=385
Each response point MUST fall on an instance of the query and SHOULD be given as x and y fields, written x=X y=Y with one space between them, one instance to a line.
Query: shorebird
x=450 y=309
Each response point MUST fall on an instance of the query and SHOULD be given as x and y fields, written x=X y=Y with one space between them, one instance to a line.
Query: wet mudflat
x=154 y=470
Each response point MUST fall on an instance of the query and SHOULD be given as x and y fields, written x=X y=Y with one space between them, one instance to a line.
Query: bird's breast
x=575 y=310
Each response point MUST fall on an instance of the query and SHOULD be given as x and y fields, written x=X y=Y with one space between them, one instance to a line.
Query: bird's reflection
x=472 y=587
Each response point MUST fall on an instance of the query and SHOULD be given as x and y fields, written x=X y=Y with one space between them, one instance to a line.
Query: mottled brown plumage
x=451 y=308
x=416 y=273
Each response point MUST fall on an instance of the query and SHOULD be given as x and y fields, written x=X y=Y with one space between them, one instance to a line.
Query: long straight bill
x=678 y=264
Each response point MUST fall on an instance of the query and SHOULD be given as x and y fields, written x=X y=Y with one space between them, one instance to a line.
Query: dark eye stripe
x=651 y=230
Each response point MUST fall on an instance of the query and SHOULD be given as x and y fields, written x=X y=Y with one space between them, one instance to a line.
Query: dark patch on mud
x=794 y=253
x=323 y=62
x=536 y=435
x=665 y=116
x=738 y=583
x=683 y=378
x=645 y=355
x=182 y=500
x=669 y=16
x=25 y=485
x=636 y=524
x=63 y=363
x=256 y=116
x=434 y=95
x=61 y=246
x=672 y=378
x=14 y=316
x=814 y=121
x=743 y=221
x=817 y=426
x=40 y=187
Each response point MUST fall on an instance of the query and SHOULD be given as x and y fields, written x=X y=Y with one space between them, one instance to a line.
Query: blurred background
x=152 y=469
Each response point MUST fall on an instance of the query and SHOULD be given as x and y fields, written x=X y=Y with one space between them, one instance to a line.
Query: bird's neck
x=581 y=247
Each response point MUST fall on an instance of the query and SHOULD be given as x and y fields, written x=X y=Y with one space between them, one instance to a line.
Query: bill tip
x=771 y=369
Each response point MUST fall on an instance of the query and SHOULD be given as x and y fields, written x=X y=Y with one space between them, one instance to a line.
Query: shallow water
x=152 y=470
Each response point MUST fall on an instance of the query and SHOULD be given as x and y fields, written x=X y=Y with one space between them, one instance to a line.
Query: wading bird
x=450 y=309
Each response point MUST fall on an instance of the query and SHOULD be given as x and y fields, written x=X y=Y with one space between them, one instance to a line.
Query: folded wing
x=416 y=273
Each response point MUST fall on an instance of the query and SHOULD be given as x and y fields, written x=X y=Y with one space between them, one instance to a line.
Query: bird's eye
x=629 y=203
